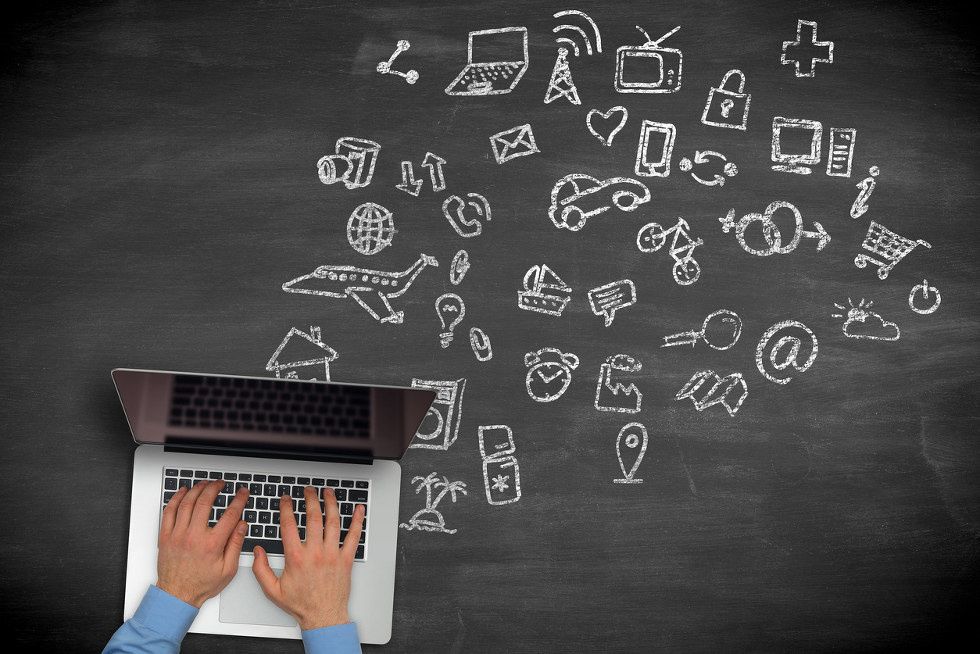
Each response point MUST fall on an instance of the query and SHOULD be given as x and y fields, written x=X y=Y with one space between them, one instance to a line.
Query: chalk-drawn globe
x=370 y=228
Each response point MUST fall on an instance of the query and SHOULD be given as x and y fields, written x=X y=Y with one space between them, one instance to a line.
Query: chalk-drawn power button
x=929 y=294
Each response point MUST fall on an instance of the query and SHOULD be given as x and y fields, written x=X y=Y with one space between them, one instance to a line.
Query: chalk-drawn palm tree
x=429 y=518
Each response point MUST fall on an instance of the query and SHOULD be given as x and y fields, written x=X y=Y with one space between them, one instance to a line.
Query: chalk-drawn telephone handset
x=455 y=210
x=611 y=395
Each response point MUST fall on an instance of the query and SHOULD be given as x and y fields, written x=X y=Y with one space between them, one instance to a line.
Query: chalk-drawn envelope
x=512 y=143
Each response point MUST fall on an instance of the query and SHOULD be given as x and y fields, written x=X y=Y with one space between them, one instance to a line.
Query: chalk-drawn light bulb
x=726 y=107
x=450 y=309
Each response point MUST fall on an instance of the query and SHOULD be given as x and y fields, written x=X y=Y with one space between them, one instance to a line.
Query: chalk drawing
x=496 y=77
x=576 y=197
x=459 y=267
x=793 y=160
x=572 y=30
x=512 y=143
x=653 y=236
x=631 y=445
x=784 y=351
x=369 y=288
x=648 y=68
x=436 y=488
x=865 y=188
x=925 y=290
x=840 y=152
x=613 y=395
x=605 y=125
x=609 y=298
x=370 y=228
x=561 y=84
x=706 y=389
x=806 y=51
x=770 y=232
x=480 y=344
x=702 y=157
x=720 y=331
x=544 y=291
x=889 y=247
x=655 y=149
x=352 y=162
x=435 y=163
x=726 y=107
x=440 y=426
x=861 y=322
x=459 y=213
x=549 y=373
x=501 y=472
x=302 y=355
x=450 y=309
x=384 y=67
x=409 y=184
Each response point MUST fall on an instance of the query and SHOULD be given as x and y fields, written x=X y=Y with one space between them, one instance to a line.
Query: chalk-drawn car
x=575 y=198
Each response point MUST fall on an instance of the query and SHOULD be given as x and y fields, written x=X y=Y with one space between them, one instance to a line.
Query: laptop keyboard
x=478 y=74
x=262 y=509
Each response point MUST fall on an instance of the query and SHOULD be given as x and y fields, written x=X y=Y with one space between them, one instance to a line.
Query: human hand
x=195 y=561
x=315 y=584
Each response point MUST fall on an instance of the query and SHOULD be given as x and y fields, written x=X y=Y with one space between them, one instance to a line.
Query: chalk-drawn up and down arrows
x=413 y=186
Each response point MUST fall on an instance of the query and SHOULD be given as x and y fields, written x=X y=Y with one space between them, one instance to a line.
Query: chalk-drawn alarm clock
x=549 y=373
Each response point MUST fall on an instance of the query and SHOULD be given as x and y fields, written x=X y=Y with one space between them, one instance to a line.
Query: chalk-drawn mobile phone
x=655 y=148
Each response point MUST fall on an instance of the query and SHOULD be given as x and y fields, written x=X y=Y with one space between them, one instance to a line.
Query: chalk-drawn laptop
x=276 y=436
x=497 y=59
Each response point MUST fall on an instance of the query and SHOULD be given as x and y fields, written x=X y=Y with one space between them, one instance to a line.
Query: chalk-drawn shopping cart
x=884 y=243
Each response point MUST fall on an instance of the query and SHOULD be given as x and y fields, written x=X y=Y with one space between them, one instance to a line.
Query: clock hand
x=547 y=379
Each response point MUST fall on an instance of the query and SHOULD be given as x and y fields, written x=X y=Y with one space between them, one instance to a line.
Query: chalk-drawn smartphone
x=655 y=149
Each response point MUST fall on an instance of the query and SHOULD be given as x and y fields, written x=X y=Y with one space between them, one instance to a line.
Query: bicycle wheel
x=686 y=271
x=651 y=237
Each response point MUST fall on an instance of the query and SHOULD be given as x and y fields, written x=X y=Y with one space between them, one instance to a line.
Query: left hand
x=195 y=561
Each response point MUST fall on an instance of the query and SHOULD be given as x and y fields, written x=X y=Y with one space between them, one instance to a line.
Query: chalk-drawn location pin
x=384 y=67
x=928 y=293
x=631 y=445
x=721 y=330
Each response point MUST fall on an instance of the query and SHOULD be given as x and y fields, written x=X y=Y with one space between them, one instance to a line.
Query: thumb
x=264 y=575
x=234 y=545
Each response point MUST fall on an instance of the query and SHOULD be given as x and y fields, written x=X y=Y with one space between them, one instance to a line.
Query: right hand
x=315 y=584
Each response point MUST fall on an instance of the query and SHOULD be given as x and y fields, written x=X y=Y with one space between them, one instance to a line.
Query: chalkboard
x=160 y=184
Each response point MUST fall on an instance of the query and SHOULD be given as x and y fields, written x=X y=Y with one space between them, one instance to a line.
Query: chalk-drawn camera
x=352 y=164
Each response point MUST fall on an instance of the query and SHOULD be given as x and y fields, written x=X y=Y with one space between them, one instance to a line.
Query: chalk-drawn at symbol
x=459 y=267
x=770 y=231
x=865 y=188
x=806 y=51
x=370 y=228
x=369 y=288
x=648 y=68
x=302 y=355
x=549 y=373
x=653 y=236
x=706 y=389
x=925 y=291
x=436 y=488
x=725 y=107
x=573 y=30
x=655 y=149
x=605 y=125
x=384 y=67
x=352 y=163
x=888 y=246
x=561 y=84
x=609 y=298
x=789 y=157
x=631 y=445
x=496 y=61
x=544 y=291
x=861 y=322
x=611 y=394
x=450 y=309
x=480 y=344
x=467 y=218
x=501 y=471
x=512 y=143
x=440 y=426
x=720 y=331
x=775 y=355
x=576 y=197
x=703 y=157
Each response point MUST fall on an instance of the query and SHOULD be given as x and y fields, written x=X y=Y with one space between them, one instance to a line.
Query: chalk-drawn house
x=302 y=356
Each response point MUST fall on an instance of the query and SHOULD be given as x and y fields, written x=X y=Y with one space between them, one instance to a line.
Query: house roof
x=299 y=349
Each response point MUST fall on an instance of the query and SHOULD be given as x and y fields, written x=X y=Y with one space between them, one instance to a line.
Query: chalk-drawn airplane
x=369 y=288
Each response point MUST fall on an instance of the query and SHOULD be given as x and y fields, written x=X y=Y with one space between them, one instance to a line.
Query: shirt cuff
x=338 y=639
x=165 y=614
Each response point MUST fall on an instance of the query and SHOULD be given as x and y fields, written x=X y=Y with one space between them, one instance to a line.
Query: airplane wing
x=375 y=303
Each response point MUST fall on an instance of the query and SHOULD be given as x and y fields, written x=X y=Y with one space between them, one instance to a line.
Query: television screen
x=645 y=69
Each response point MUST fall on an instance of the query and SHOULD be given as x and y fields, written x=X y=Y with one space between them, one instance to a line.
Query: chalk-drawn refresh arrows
x=702 y=157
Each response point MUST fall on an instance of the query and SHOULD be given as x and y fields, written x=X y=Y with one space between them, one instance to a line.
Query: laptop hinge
x=271 y=454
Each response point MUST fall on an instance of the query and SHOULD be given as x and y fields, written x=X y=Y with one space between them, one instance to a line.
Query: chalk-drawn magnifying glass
x=720 y=330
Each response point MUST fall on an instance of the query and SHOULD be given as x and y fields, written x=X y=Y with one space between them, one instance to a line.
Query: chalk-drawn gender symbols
x=544 y=291
x=450 y=309
x=459 y=267
x=706 y=389
x=549 y=373
x=611 y=394
x=861 y=322
x=609 y=298
x=605 y=125
x=436 y=488
x=653 y=236
x=496 y=61
x=576 y=197
x=702 y=157
x=480 y=344
x=440 y=426
x=501 y=472
x=467 y=217
x=865 y=188
x=648 y=68
x=512 y=143
x=383 y=67
x=726 y=107
x=887 y=246
x=631 y=445
x=720 y=331
x=787 y=344
x=370 y=228
x=352 y=163
x=927 y=292
x=655 y=149
x=806 y=51
x=770 y=231
x=561 y=84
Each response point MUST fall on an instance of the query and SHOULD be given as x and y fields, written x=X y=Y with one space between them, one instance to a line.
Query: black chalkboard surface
x=160 y=183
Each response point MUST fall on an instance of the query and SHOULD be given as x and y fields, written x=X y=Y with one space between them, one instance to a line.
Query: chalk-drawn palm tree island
x=429 y=518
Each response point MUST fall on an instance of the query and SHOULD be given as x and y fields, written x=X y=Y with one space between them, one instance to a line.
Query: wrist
x=191 y=597
x=320 y=620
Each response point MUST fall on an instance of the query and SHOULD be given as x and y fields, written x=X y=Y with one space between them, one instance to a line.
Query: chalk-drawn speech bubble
x=608 y=299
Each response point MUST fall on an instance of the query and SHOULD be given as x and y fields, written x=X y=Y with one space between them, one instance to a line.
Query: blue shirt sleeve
x=338 y=639
x=157 y=627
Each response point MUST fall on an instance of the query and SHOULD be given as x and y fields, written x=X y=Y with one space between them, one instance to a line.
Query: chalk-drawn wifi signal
x=574 y=31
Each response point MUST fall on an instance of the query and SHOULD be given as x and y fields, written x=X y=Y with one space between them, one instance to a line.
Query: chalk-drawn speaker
x=440 y=427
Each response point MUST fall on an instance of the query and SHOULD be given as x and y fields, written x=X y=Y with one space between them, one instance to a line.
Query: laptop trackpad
x=243 y=602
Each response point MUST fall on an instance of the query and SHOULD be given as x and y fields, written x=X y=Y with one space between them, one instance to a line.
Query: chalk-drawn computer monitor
x=796 y=144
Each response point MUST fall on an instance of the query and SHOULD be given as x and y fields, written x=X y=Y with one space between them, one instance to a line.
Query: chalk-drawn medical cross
x=807 y=50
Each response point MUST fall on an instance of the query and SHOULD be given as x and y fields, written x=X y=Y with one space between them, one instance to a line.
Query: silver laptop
x=276 y=436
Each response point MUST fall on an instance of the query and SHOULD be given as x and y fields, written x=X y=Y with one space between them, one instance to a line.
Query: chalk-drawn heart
x=600 y=121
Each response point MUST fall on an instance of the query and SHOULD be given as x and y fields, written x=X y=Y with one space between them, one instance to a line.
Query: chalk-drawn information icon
x=631 y=445
x=787 y=344
x=370 y=228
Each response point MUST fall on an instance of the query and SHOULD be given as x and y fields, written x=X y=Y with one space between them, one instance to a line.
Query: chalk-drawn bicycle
x=653 y=236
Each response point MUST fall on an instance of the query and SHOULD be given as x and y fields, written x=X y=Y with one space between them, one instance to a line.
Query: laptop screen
x=504 y=44
x=270 y=416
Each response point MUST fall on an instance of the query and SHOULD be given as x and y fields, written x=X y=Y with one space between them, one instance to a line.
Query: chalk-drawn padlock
x=727 y=108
